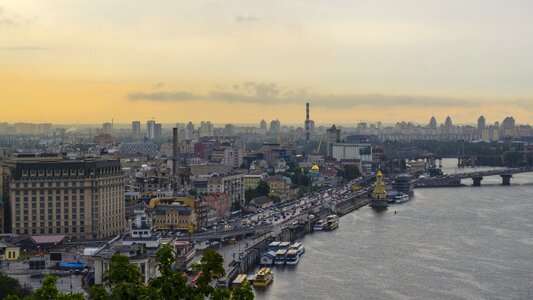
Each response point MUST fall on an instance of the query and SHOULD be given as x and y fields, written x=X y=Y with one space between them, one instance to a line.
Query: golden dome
x=314 y=168
x=379 y=175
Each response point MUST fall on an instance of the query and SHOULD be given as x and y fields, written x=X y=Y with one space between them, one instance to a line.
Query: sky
x=69 y=62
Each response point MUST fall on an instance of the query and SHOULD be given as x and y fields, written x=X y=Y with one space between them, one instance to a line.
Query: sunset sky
x=71 y=61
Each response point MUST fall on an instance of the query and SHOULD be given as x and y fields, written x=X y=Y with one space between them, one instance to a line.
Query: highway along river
x=446 y=243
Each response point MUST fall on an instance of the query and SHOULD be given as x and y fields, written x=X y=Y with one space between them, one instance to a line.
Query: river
x=446 y=243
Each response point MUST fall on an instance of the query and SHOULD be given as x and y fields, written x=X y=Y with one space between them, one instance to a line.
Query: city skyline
x=205 y=61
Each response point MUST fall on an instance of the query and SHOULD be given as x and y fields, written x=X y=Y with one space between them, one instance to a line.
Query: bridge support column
x=506 y=179
x=477 y=181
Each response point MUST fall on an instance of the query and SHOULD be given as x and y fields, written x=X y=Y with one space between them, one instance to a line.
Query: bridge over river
x=226 y=234
x=455 y=179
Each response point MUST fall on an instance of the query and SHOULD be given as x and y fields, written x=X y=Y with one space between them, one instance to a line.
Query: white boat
x=292 y=257
x=299 y=247
x=401 y=198
x=319 y=225
x=281 y=255
x=332 y=222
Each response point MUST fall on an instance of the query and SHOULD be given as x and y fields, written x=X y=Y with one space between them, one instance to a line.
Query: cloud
x=265 y=93
x=246 y=19
x=22 y=48
x=14 y=20
x=159 y=85
x=163 y=96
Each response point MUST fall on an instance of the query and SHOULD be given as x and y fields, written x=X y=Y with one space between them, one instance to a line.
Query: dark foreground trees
x=123 y=281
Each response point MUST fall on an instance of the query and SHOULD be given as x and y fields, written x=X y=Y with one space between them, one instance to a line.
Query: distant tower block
x=307 y=123
x=175 y=152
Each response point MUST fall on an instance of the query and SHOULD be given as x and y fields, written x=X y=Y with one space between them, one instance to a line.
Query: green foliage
x=349 y=172
x=262 y=189
x=11 y=287
x=243 y=292
x=211 y=267
x=121 y=271
x=48 y=290
x=124 y=278
x=124 y=281
x=193 y=192
x=171 y=284
x=98 y=292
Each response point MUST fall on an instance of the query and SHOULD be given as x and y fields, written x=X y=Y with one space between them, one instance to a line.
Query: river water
x=446 y=243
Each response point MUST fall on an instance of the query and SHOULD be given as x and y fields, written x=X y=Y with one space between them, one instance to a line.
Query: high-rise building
x=263 y=125
x=448 y=125
x=158 y=131
x=82 y=199
x=136 y=128
x=190 y=131
x=333 y=135
x=433 y=123
x=229 y=130
x=150 y=129
x=275 y=126
x=107 y=128
x=480 y=125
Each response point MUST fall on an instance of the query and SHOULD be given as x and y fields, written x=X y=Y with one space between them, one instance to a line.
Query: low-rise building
x=251 y=181
x=231 y=184
x=9 y=251
x=220 y=202
x=174 y=217
x=262 y=202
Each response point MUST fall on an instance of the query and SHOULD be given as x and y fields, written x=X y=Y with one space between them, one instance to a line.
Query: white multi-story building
x=363 y=152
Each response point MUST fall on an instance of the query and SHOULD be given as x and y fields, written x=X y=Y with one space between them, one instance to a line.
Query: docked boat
x=239 y=280
x=403 y=183
x=332 y=222
x=292 y=257
x=281 y=255
x=319 y=225
x=284 y=246
x=298 y=247
x=263 y=278
x=401 y=198
x=274 y=246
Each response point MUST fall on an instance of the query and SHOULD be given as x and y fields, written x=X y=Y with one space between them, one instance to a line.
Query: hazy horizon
x=68 y=62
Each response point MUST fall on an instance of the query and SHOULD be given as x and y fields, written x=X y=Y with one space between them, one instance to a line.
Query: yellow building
x=278 y=184
x=174 y=217
x=183 y=200
x=9 y=251
x=251 y=181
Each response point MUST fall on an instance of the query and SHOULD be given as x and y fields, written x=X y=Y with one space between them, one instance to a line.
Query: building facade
x=231 y=184
x=82 y=199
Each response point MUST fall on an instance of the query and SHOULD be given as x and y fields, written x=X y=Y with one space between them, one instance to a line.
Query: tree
x=193 y=192
x=243 y=292
x=210 y=267
x=171 y=284
x=349 y=172
x=249 y=194
x=11 y=286
x=48 y=290
x=262 y=189
x=124 y=278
